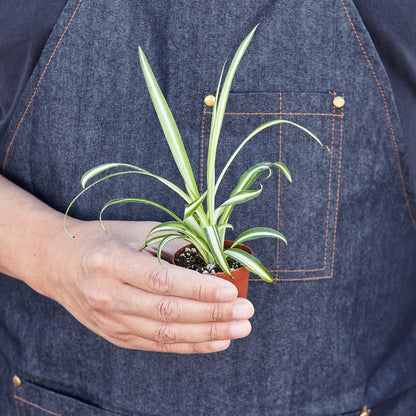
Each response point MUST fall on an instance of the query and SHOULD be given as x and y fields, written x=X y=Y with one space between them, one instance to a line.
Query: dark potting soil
x=191 y=259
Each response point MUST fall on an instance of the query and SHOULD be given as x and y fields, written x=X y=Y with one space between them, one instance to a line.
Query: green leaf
x=192 y=207
x=101 y=168
x=242 y=197
x=283 y=168
x=98 y=169
x=217 y=248
x=154 y=240
x=252 y=173
x=258 y=232
x=138 y=200
x=168 y=227
x=224 y=227
x=258 y=130
x=217 y=94
x=250 y=263
x=173 y=227
x=111 y=165
x=169 y=127
x=216 y=122
x=247 y=179
x=162 y=244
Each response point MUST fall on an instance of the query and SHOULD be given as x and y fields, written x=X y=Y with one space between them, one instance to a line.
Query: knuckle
x=217 y=312
x=98 y=299
x=97 y=260
x=165 y=334
x=213 y=332
x=198 y=290
x=167 y=311
x=159 y=280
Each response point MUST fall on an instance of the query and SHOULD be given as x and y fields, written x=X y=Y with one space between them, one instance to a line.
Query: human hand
x=126 y=297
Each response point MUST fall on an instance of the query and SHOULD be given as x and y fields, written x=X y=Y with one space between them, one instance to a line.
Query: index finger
x=144 y=272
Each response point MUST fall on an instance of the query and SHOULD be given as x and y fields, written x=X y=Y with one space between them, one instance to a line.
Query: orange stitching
x=202 y=151
x=295 y=279
x=387 y=113
x=329 y=203
x=302 y=270
x=278 y=114
x=37 y=86
x=16 y=403
x=329 y=200
x=335 y=224
x=36 y=405
x=23 y=406
x=278 y=191
x=329 y=186
x=336 y=206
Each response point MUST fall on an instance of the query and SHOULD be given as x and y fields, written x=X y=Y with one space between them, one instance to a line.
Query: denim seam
x=36 y=405
x=335 y=222
x=16 y=402
x=386 y=111
x=278 y=185
x=329 y=202
x=202 y=152
x=37 y=86
x=333 y=115
x=280 y=113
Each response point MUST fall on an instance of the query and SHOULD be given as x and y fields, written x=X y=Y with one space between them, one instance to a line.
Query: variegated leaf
x=258 y=130
x=217 y=248
x=258 y=232
x=169 y=127
x=250 y=263
x=216 y=122
x=162 y=244
x=137 y=200
x=242 y=197
x=193 y=206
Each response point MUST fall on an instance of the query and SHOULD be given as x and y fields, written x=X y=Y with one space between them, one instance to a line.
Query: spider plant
x=203 y=223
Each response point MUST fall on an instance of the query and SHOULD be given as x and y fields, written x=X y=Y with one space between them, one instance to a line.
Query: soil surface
x=191 y=259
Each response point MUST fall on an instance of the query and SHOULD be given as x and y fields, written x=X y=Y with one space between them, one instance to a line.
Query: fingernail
x=240 y=329
x=226 y=293
x=220 y=345
x=243 y=310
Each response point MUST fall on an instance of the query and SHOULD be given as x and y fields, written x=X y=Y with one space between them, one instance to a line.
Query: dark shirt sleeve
x=392 y=26
x=26 y=25
x=24 y=29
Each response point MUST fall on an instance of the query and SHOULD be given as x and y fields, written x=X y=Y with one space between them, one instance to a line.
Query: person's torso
x=336 y=330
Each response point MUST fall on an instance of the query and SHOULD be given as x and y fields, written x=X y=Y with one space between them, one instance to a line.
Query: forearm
x=118 y=292
x=29 y=231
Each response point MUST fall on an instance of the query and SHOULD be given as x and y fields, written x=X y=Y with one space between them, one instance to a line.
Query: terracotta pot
x=240 y=275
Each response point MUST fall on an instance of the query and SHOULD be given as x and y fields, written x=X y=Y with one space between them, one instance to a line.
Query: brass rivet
x=338 y=101
x=365 y=411
x=16 y=381
x=209 y=101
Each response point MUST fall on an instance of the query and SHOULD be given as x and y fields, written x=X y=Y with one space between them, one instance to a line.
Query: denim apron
x=336 y=331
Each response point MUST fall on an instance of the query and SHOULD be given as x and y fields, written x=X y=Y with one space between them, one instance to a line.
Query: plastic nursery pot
x=240 y=275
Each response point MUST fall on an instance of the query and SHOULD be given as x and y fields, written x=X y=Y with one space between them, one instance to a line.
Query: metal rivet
x=16 y=381
x=338 y=101
x=209 y=101
x=365 y=411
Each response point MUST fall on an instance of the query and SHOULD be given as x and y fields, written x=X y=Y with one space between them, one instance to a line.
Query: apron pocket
x=306 y=210
x=34 y=400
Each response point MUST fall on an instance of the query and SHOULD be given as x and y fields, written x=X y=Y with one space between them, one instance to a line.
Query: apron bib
x=336 y=330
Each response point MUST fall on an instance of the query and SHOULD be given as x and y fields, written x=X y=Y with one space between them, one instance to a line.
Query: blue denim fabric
x=337 y=329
